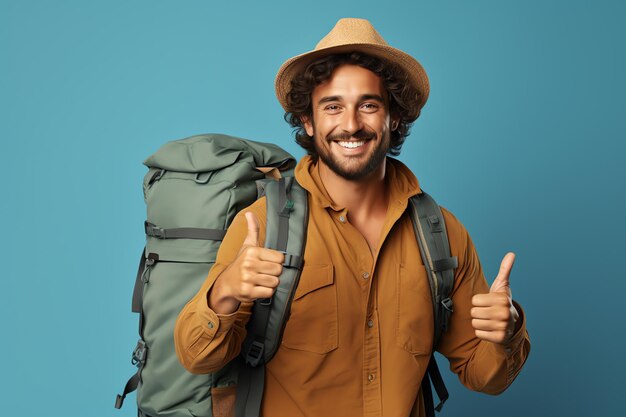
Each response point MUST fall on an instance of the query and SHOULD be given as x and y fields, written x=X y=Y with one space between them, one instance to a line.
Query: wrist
x=220 y=299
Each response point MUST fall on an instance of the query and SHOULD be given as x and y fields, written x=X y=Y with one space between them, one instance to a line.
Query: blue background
x=522 y=138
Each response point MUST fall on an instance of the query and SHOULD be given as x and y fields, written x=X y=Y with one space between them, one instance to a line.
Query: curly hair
x=404 y=99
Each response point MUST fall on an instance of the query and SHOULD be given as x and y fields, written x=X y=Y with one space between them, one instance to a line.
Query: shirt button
x=342 y=219
x=370 y=323
x=371 y=377
x=211 y=325
x=366 y=275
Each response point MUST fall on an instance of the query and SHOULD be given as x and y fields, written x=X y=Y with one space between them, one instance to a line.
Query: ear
x=395 y=122
x=308 y=126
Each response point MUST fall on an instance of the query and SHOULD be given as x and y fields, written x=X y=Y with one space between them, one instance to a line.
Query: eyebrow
x=364 y=97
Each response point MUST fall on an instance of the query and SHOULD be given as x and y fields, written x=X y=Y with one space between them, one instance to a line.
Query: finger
x=271 y=255
x=252 y=238
x=490 y=325
x=491 y=313
x=268 y=268
x=261 y=292
x=491 y=299
x=493 y=336
x=256 y=286
x=267 y=281
x=501 y=283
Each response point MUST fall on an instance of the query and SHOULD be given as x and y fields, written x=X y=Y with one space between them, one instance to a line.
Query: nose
x=351 y=121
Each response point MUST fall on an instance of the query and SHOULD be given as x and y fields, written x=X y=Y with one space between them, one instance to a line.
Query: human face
x=350 y=123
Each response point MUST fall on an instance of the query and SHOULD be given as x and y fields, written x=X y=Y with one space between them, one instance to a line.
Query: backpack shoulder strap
x=287 y=220
x=430 y=230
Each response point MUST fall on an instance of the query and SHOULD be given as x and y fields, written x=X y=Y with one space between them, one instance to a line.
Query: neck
x=361 y=197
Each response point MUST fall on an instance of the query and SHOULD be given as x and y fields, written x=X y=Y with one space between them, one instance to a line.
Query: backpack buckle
x=434 y=223
x=287 y=208
x=154 y=230
x=255 y=351
x=139 y=354
x=265 y=301
x=156 y=176
x=448 y=308
x=292 y=261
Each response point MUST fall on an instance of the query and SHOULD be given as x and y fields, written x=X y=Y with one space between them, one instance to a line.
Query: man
x=360 y=333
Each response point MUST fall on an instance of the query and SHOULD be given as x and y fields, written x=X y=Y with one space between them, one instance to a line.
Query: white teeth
x=351 y=144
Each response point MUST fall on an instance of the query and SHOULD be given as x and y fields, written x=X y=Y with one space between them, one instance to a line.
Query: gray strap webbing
x=131 y=386
x=433 y=375
x=285 y=206
x=429 y=226
x=184 y=232
x=138 y=290
x=251 y=381
x=437 y=381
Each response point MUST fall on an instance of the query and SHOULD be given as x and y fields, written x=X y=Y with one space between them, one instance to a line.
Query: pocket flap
x=314 y=277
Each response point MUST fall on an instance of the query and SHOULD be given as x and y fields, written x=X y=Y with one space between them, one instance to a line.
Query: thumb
x=501 y=283
x=252 y=238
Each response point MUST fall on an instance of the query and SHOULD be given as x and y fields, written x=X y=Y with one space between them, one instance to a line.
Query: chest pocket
x=312 y=325
x=414 y=319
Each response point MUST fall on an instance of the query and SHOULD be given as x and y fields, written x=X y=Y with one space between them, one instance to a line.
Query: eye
x=370 y=107
x=332 y=108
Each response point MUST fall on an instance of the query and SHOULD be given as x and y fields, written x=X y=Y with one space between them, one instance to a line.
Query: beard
x=355 y=171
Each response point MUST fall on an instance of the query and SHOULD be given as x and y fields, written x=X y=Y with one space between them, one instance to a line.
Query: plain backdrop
x=523 y=139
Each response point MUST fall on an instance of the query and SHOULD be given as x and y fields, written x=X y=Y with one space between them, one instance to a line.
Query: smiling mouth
x=351 y=144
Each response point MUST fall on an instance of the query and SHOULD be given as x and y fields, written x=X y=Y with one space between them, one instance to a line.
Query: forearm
x=220 y=298
x=206 y=341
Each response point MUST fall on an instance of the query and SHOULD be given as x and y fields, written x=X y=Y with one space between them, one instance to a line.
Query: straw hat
x=351 y=35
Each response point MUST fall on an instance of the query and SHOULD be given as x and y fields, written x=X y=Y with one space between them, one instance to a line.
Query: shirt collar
x=401 y=181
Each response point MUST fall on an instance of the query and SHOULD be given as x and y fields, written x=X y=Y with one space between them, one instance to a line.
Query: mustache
x=362 y=134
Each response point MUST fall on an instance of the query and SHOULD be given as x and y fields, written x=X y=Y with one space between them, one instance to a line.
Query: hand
x=252 y=275
x=494 y=317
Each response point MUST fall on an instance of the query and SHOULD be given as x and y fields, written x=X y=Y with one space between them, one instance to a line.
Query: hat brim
x=414 y=70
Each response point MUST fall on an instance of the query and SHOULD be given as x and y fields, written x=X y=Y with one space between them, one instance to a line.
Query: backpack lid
x=209 y=152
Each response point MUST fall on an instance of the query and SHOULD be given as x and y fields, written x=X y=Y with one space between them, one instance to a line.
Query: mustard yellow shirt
x=361 y=328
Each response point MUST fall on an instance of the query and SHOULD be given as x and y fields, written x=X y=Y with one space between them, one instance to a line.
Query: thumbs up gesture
x=494 y=317
x=252 y=275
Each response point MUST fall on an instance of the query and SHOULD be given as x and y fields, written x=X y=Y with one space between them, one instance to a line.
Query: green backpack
x=193 y=190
